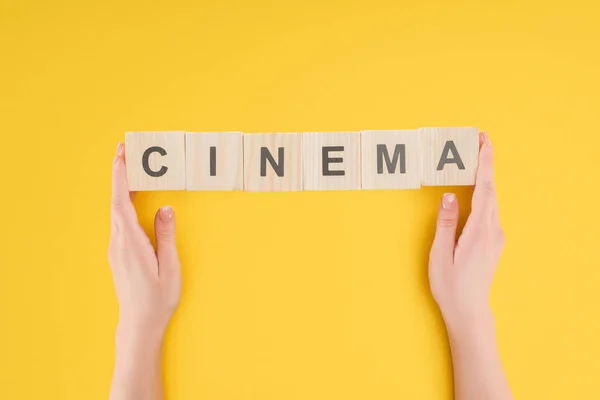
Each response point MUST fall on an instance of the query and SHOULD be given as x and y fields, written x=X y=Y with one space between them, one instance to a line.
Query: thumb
x=445 y=233
x=166 y=248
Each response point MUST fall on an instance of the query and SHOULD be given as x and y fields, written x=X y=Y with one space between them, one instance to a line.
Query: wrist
x=469 y=325
x=131 y=337
x=135 y=348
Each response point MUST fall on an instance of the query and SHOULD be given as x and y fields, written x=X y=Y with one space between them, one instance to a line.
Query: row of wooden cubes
x=384 y=159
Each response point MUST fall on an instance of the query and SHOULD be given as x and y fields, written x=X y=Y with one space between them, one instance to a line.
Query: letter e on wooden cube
x=331 y=160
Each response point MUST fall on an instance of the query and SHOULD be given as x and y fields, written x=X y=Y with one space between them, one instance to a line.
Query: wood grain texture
x=173 y=160
x=228 y=164
x=291 y=179
x=349 y=160
x=439 y=143
x=406 y=167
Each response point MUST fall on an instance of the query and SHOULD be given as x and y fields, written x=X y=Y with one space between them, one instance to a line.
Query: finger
x=131 y=193
x=122 y=209
x=495 y=216
x=445 y=233
x=166 y=248
x=484 y=196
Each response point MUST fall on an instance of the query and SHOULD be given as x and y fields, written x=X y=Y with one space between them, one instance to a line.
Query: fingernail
x=448 y=200
x=486 y=139
x=166 y=213
x=120 y=149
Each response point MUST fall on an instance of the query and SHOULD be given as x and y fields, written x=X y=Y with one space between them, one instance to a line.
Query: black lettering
x=450 y=147
x=398 y=158
x=265 y=155
x=213 y=161
x=327 y=161
x=146 y=161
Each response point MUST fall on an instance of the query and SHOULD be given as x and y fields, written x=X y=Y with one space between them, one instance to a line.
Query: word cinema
x=383 y=159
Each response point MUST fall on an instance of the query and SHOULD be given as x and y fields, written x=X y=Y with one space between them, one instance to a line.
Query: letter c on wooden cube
x=155 y=160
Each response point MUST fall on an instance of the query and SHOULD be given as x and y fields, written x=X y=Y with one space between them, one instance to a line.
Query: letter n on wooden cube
x=273 y=162
x=331 y=160
x=391 y=159
x=449 y=156
x=155 y=160
x=214 y=161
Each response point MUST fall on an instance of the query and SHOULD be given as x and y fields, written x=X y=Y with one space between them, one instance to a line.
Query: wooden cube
x=214 y=161
x=449 y=156
x=391 y=159
x=155 y=160
x=331 y=160
x=273 y=162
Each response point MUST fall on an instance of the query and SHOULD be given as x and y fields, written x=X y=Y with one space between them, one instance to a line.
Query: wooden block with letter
x=214 y=161
x=331 y=160
x=391 y=159
x=273 y=162
x=449 y=156
x=155 y=160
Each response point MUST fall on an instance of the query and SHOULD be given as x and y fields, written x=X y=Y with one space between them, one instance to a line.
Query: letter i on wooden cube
x=155 y=160
x=449 y=156
x=273 y=162
x=214 y=161
x=331 y=160
x=391 y=159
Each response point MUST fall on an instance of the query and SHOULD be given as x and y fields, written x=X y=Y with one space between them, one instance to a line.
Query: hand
x=148 y=286
x=148 y=283
x=461 y=274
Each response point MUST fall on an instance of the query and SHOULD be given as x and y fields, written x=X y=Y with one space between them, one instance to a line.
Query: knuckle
x=489 y=189
x=165 y=234
x=117 y=203
x=447 y=222
x=116 y=245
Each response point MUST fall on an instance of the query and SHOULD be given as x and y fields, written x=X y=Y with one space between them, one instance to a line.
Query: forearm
x=478 y=371
x=137 y=373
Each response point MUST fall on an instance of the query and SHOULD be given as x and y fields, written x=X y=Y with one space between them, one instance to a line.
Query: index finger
x=122 y=209
x=484 y=196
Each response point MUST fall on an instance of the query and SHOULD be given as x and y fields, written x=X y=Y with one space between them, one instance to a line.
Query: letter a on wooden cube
x=273 y=162
x=214 y=161
x=155 y=160
x=391 y=159
x=331 y=160
x=449 y=156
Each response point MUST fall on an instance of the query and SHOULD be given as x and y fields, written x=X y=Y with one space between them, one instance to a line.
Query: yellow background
x=298 y=295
